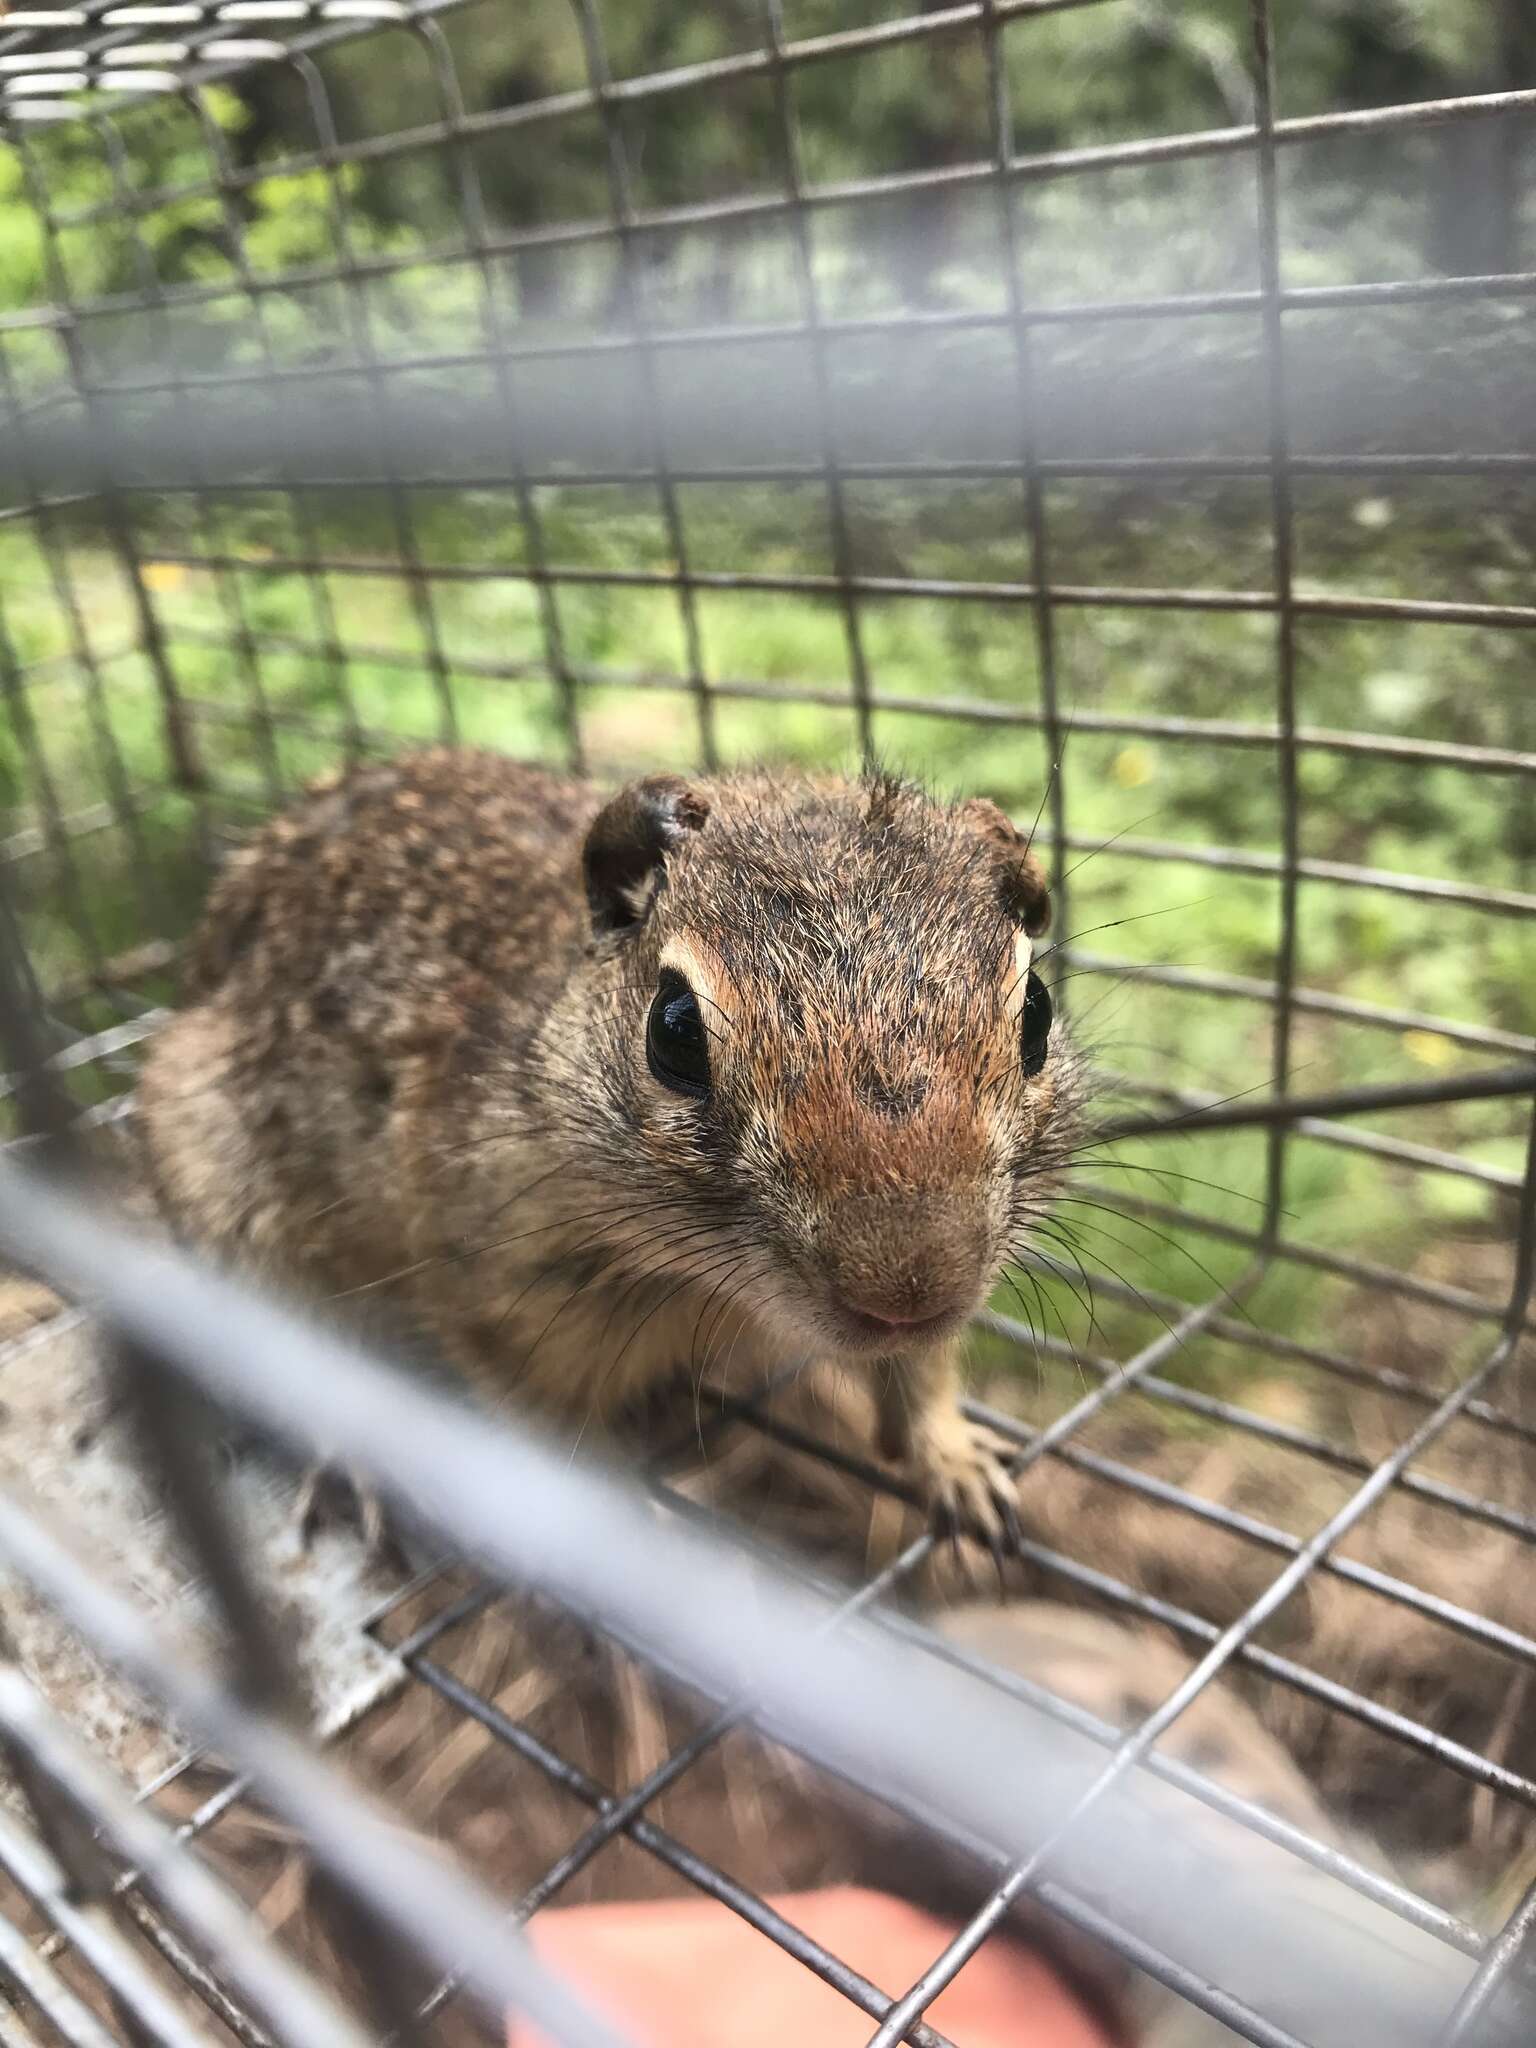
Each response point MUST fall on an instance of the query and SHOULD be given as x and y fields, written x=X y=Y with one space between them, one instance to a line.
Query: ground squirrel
x=600 y=1089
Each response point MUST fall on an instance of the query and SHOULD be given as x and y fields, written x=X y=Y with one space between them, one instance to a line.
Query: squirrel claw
x=963 y=1470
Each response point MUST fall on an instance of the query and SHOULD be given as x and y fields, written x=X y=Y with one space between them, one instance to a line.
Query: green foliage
x=22 y=278
x=1070 y=79
x=68 y=163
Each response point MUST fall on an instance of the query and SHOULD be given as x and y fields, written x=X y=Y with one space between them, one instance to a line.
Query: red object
x=688 y=1973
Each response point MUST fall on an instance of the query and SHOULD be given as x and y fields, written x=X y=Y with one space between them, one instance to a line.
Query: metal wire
x=494 y=1495
x=313 y=432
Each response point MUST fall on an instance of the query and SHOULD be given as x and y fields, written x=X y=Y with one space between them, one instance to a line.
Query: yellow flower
x=1133 y=766
x=163 y=575
x=1429 y=1048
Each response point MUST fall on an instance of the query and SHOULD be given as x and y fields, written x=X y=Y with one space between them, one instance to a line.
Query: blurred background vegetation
x=351 y=650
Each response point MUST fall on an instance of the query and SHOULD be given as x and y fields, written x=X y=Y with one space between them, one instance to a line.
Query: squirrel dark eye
x=1035 y=1031
x=676 y=1045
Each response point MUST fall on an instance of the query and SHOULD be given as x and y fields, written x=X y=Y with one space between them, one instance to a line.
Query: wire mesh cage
x=1119 y=411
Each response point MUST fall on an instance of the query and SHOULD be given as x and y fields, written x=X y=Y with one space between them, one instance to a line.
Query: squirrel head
x=810 y=1036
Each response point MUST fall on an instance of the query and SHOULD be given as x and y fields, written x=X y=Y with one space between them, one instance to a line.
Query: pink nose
x=879 y=1315
x=900 y=1265
x=892 y=1322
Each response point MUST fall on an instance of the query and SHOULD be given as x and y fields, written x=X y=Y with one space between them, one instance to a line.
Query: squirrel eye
x=676 y=1046
x=1035 y=1030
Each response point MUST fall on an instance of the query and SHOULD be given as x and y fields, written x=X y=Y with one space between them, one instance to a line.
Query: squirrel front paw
x=963 y=1473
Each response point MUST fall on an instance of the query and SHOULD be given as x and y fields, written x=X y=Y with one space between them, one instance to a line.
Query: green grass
x=1441 y=821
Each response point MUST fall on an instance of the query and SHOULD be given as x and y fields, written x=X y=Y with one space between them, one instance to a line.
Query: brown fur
x=414 y=1073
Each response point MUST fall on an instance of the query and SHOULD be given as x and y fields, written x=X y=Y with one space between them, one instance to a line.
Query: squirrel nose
x=889 y=1315
x=894 y=1267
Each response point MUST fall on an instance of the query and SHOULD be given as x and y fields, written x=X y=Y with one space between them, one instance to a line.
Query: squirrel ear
x=629 y=840
x=1026 y=895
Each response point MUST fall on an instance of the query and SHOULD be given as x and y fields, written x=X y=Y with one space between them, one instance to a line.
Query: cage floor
x=60 y=1444
x=556 y=1766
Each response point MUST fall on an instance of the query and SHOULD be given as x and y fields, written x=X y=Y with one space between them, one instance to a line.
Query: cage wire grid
x=126 y=58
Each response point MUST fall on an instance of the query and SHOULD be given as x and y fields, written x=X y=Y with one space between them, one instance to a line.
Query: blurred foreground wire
x=863 y=1702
